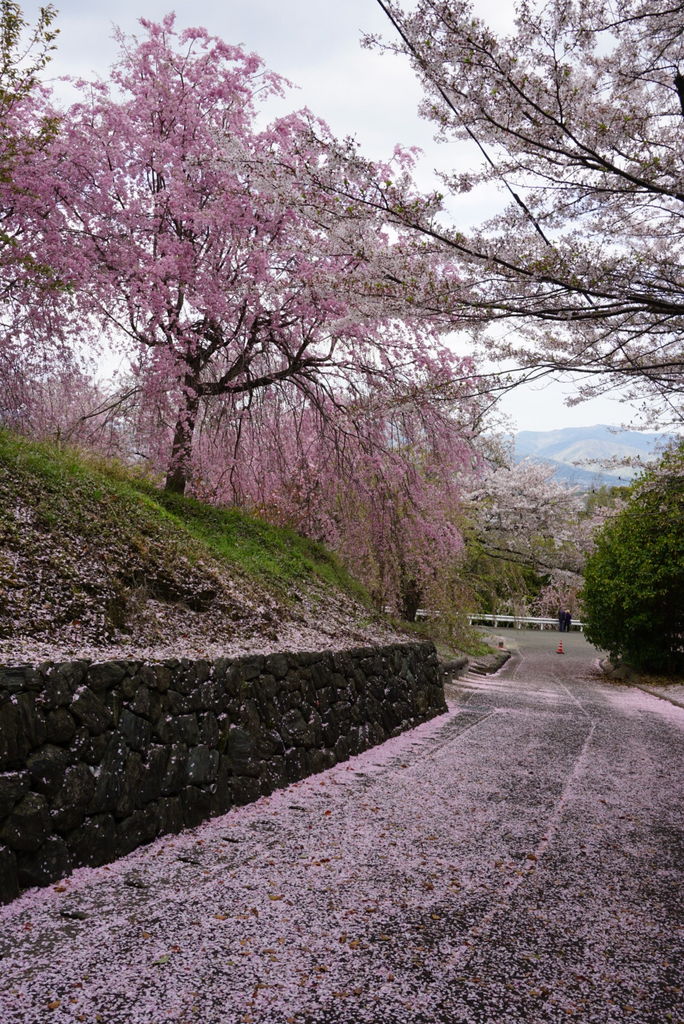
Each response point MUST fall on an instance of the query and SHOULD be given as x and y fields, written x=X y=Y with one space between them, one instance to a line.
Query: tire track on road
x=479 y=931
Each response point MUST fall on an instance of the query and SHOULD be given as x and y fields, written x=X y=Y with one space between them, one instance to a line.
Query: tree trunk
x=181 y=450
x=410 y=599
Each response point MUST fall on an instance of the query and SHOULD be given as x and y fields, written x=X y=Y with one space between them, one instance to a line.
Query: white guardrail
x=520 y=621
x=511 y=621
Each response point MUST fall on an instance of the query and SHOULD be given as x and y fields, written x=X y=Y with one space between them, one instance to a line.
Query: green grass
x=451 y=639
x=109 y=503
x=260 y=549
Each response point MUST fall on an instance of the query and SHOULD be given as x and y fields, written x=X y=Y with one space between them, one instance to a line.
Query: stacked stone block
x=99 y=758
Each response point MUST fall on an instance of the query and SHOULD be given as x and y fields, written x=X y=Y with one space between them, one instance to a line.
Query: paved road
x=519 y=859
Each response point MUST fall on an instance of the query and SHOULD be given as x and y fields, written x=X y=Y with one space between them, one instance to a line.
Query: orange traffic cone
x=559 y=649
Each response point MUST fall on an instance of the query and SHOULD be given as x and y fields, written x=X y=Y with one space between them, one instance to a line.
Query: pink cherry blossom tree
x=525 y=515
x=26 y=132
x=204 y=247
x=24 y=127
x=576 y=117
x=536 y=529
x=378 y=476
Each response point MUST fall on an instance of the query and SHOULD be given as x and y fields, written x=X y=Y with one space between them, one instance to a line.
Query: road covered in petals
x=517 y=859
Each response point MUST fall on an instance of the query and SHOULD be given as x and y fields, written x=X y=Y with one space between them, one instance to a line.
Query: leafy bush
x=634 y=582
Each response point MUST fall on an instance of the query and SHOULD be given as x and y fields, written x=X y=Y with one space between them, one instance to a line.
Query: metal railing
x=511 y=621
x=520 y=621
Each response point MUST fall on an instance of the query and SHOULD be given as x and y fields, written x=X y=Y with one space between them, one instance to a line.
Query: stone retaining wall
x=99 y=758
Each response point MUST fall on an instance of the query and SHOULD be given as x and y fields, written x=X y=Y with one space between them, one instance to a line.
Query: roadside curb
x=490 y=663
x=454 y=666
x=486 y=665
x=628 y=677
x=656 y=693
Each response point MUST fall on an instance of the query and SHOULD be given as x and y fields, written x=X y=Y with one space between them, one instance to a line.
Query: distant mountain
x=589 y=456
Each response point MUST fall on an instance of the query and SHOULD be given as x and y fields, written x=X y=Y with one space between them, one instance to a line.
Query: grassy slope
x=90 y=554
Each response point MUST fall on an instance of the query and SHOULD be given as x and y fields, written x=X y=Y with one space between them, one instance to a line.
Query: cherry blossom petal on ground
x=512 y=860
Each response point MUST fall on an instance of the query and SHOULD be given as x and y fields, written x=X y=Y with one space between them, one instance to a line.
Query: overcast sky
x=374 y=97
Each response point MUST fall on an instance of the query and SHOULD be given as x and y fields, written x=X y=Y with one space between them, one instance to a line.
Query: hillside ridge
x=590 y=456
x=96 y=561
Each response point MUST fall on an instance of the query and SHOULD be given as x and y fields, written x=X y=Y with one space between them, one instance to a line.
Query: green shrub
x=634 y=582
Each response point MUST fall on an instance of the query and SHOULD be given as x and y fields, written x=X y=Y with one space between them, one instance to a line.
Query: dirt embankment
x=96 y=562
